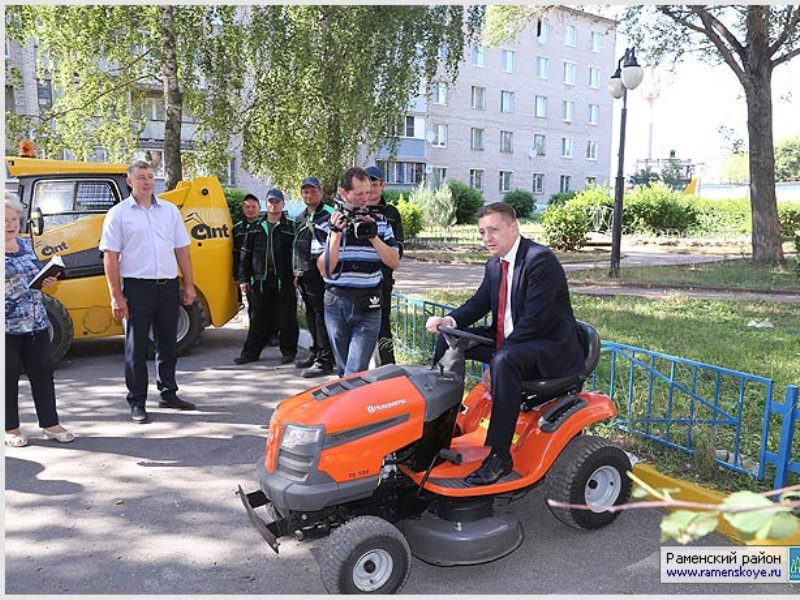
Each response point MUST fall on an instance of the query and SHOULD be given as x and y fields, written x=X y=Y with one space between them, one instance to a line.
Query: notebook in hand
x=53 y=268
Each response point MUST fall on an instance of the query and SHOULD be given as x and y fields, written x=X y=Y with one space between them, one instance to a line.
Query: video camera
x=354 y=218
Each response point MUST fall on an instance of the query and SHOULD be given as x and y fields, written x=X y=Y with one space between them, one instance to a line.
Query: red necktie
x=501 y=303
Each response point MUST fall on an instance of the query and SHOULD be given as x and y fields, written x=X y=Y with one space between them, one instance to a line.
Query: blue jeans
x=352 y=330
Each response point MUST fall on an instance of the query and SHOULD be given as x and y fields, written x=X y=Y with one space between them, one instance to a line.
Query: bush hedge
x=393 y=196
x=411 y=216
x=566 y=225
x=467 y=200
x=656 y=207
x=789 y=218
x=522 y=201
x=562 y=197
x=234 y=197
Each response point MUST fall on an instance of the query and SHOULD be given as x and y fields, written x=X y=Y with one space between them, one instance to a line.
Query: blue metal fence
x=680 y=403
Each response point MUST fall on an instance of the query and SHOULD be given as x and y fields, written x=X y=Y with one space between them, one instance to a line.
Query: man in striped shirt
x=351 y=268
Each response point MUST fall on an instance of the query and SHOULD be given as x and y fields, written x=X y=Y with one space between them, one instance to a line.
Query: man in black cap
x=392 y=216
x=251 y=218
x=266 y=271
x=309 y=280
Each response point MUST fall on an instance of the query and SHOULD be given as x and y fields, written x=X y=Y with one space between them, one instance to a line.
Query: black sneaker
x=285 y=360
x=317 y=370
x=305 y=362
x=240 y=360
x=176 y=403
x=139 y=414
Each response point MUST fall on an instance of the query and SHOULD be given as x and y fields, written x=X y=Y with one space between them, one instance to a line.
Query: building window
x=591 y=150
x=538 y=183
x=540 y=107
x=507 y=58
x=8 y=49
x=594 y=114
x=44 y=94
x=566 y=147
x=570 y=36
x=440 y=136
x=594 y=77
x=542 y=67
x=544 y=31
x=403 y=173
x=564 y=183
x=591 y=181
x=506 y=141
x=478 y=97
x=439 y=93
x=409 y=130
x=153 y=109
x=597 y=41
x=478 y=56
x=443 y=51
x=570 y=69
x=10 y=97
x=507 y=102
x=476 y=179
x=506 y=181
x=476 y=139
x=568 y=110
x=438 y=175
x=540 y=144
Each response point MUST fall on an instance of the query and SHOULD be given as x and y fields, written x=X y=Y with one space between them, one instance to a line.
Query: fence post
x=787 y=432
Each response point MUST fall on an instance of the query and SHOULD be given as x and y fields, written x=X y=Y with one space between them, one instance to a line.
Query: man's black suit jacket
x=540 y=309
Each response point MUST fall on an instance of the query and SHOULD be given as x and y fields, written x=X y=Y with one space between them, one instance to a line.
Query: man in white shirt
x=144 y=241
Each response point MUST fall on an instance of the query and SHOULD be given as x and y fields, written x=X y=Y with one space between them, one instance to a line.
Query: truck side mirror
x=36 y=222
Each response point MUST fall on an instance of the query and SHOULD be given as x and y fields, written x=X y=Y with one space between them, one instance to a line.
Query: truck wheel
x=366 y=555
x=590 y=471
x=61 y=329
x=191 y=323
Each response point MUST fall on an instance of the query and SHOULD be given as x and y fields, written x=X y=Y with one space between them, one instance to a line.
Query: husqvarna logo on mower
x=373 y=408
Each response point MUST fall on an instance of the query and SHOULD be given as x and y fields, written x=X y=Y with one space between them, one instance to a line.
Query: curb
x=693 y=492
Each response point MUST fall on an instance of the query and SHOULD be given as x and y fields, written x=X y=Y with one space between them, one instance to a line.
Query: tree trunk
x=766 y=237
x=173 y=99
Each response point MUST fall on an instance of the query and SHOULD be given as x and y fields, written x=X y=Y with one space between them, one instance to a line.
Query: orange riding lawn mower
x=375 y=463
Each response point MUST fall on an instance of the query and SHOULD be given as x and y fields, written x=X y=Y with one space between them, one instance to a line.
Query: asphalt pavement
x=151 y=509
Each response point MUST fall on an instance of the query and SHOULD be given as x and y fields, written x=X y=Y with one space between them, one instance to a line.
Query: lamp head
x=615 y=87
x=632 y=73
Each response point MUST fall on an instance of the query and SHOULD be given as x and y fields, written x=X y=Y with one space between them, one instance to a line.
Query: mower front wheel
x=366 y=555
x=589 y=471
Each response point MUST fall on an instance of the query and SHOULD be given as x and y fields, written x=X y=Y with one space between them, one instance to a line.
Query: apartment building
x=533 y=115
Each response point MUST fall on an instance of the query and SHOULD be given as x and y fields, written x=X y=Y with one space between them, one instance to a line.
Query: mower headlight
x=295 y=435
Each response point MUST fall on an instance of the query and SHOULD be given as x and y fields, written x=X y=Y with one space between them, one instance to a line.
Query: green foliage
x=234 y=197
x=797 y=256
x=392 y=196
x=673 y=174
x=736 y=169
x=789 y=218
x=562 y=197
x=522 y=201
x=437 y=205
x=504 y=23
x=566 y=226
x=645 y=176
x=467 y=200
x=787 y=159
x=732 y=215
x=412 y=217
x=656 y=207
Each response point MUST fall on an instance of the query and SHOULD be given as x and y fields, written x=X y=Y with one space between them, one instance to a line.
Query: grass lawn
x=733 y=274
x=714 y=332
x=478 y=255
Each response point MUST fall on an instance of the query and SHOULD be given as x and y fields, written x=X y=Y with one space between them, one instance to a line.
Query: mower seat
x=539 y=391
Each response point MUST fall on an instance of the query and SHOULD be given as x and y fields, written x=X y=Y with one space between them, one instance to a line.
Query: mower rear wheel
x=366 y=555
x=590 y=471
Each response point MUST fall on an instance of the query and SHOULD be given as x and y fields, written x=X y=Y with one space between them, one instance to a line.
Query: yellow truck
x=66 y=202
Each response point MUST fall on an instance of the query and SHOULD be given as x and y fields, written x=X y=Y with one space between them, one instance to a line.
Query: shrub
x=591 y=199
x=797 y=256
x=467 y=201
x=234 y=196
x=393 y=196
x=732 y=215
x=562 y=197
x=566 y=226
x=412 y=217
x=522 y=201
x=655 y=207
x=789 y=218
x=437 y=205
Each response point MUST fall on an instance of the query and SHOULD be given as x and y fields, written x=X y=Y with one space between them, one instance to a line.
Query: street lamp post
x=628 y=76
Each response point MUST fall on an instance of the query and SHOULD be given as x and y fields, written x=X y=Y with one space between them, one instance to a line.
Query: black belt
x=156 y=281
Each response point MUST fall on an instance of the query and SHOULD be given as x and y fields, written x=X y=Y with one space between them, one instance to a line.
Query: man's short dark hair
x=138 y=164
x=250 y=197
x=346 y=180
x=503 y=208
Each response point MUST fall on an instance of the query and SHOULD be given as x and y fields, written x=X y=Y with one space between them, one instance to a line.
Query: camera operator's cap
x=312 y=181
x=275 y=194
x=374 y=173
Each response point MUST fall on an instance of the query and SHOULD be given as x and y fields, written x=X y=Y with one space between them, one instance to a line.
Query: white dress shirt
x=146 y=238
x=511 y=257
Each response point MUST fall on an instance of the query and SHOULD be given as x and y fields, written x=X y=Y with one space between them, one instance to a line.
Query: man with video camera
x=351 y=246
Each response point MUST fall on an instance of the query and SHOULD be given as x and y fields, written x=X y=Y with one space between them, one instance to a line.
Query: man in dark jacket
x=525 y=289
x=266 y=271
x=309 y=280
x=392 y=216
x=251 y=218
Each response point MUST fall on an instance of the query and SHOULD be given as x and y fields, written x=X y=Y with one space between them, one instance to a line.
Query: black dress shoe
x=304 y=363
x=493 y=469
x=317 y=370
x=240 y=360
x=176 y=403
x=285 y=360
x=139 y=414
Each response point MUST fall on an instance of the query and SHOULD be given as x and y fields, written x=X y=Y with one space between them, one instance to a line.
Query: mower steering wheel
x=466 y=335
